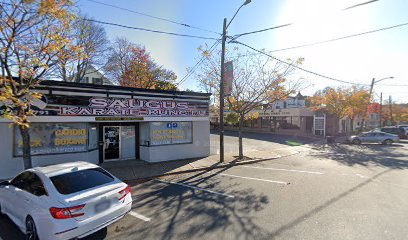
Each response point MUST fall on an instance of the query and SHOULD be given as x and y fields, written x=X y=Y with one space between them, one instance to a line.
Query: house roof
x=88 y=87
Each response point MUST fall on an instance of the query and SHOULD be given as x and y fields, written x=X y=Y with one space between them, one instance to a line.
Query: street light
x=376 y=81
x=224 y=38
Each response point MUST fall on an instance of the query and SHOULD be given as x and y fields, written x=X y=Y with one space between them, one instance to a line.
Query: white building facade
x=95 y=123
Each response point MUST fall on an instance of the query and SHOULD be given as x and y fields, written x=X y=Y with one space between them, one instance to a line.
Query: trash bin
x=329 y=139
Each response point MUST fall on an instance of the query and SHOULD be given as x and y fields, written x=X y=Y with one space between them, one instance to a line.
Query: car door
x=30 y=198
x=16 y=203
x=380 y=137
x=365 y=137
x=4 y=197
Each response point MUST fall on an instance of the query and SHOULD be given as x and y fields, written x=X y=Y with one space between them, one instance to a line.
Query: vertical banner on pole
x=228 y=78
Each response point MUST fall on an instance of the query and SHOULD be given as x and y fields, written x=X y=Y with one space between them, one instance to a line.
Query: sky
x=357 y=59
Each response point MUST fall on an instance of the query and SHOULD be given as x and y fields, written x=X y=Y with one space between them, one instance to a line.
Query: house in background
x=93 y=76
x=298 y=101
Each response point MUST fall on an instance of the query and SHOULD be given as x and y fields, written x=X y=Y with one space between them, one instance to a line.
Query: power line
x=150 y=30
x=320 y=42
x=154 y=17
x=197 y=65
x=393 y=85
x=288 y=24
x=360 y=4
x=300 y=68
x=341 y=38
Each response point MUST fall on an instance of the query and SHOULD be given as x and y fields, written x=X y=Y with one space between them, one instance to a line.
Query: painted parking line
x=139 y=216
x=283 y=169
x=196 y=188
x=256 y=179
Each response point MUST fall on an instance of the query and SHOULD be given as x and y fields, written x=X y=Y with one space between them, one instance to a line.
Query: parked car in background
x=400 y=131
x=374 y=137
x=64 y=201
x=405 y=127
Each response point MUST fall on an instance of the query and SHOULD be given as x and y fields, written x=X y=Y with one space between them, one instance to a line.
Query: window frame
x=168 y=144
x=28 y=181
x=88 y=149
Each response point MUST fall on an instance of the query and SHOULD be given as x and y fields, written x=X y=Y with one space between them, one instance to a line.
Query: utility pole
x=222 y=93
x=380 y=117
x=369 y=100
x=390 y=106
x=224 y=37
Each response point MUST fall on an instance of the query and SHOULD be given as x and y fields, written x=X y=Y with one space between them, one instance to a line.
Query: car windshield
x=77 y=181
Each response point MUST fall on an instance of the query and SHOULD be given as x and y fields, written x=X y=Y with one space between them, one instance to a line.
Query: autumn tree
x=356 y=103
x=393 y=113
x=258 y=79
x=132 y=66
x=341 y=102
x=32 y=35
x=331 y=100
x=92 y=39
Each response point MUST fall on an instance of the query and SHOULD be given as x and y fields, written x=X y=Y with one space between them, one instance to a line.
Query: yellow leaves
x=341 y=102
x=252 y=115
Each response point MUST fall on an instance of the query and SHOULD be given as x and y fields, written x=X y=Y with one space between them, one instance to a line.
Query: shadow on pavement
x=205 y=212
x=321 y=207
x=365 y=154
x=9 y=231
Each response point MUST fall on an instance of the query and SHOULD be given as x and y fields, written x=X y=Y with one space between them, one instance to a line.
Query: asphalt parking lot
x=323 y=192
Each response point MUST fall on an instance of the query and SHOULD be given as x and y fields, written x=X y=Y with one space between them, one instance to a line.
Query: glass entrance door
x=111 y=138
x=128 y=142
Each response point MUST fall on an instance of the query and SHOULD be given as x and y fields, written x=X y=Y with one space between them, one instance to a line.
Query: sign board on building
x=228 y=78
x=120 y=107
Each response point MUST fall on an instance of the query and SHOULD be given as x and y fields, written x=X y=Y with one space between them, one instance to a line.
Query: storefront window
x=164 y=133
x=52 y=138
x=93 y=136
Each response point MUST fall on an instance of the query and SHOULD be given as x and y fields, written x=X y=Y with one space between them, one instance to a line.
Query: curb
x=225 y=165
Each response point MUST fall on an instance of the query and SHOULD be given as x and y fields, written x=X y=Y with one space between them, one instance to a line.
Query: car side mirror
x=5 y=183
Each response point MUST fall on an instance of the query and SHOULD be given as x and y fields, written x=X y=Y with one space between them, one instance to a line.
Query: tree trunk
x=241 y=125
x=25 y=135
x=352 y=125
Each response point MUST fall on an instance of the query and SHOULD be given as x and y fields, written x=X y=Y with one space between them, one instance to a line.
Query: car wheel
x=356 y=141
x=388 y=142
x=31 y=230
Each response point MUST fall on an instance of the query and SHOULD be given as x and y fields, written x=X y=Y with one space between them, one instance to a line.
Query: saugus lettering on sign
x=133 y=107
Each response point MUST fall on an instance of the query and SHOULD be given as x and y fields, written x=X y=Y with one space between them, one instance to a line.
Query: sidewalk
x=139 y=170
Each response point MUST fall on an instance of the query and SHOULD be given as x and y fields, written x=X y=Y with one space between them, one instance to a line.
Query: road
x=322 y=192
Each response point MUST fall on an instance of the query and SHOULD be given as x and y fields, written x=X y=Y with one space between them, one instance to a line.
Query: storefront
x=84 y=122
x=297 y=121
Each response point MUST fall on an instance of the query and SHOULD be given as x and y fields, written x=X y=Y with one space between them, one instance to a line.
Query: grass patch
x=293 y=143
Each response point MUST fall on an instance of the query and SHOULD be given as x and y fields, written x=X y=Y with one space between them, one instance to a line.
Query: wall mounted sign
x=120 y=107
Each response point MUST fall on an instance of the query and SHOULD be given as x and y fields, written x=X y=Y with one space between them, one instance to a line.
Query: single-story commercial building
x=96 y=123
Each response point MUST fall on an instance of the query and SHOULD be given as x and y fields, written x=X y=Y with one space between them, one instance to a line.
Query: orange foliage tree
x=330 y=100
x=32 y=34
x=357 y=103
x=131 y=65
x=341 y=102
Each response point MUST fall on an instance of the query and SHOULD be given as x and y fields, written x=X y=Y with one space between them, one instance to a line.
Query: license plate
x=102 y=206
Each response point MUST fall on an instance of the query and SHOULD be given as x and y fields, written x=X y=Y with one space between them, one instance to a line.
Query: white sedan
x=64 y=201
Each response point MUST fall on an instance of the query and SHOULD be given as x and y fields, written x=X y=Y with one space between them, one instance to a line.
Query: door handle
x=27 y=200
